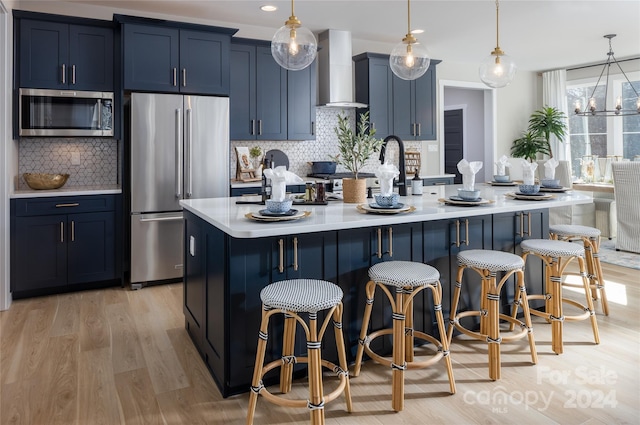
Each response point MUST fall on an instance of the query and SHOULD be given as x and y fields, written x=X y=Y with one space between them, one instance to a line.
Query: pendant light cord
x=292 y=11
x=408 y=16
x=497 y=24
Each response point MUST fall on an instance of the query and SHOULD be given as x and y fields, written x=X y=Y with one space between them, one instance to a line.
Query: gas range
x=335 y=180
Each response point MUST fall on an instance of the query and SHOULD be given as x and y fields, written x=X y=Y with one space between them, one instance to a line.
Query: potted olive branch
x=354 y=149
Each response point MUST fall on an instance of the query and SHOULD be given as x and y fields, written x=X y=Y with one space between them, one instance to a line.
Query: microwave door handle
x=189 y=153
x=178 y=139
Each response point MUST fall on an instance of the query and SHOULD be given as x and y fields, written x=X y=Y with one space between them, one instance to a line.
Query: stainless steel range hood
x=335 y=70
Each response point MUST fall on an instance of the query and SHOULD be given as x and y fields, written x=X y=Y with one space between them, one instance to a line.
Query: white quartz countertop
x=67 y=191
x=238 y=184
x=229 y=217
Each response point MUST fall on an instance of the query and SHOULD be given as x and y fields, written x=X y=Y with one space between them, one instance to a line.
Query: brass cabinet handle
x=379 y=232
x=466 y=233
x=64 y=74
x=521 y=224
x=295 y=253
x=528 y=232
x=73 y=231
x=281 y=262
x=61 y=231
x=175 y=77
x=390 y=241
x=184 y=77
x=75 y=204
x=457 y=233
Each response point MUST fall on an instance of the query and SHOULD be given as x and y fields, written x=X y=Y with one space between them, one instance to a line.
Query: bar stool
x=556 y=255
x=487 y=264
x=409 y=279
x=590 y=237
x=291 y=297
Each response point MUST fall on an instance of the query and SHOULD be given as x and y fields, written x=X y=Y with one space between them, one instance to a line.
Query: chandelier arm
x=606 y=66
x=625 y=75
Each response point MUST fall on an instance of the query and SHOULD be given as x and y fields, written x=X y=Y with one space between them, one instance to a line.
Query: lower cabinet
x=224 y=277
x=63 y=242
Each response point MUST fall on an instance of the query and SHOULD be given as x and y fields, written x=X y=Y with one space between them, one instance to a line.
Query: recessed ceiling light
x=268 y=8
x=417 y=31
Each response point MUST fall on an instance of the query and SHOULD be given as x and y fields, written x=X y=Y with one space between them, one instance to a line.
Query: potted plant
x=354 y=149
x=255 y=153
x=542 y=124
x=528 y=146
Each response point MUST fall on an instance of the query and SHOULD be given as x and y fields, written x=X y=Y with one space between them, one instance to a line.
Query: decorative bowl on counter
x=387 y=200
x=550 y=183
x=278 y=207
x=501 y=179
x=529 y=189
x=469 y=195
x=41 y=181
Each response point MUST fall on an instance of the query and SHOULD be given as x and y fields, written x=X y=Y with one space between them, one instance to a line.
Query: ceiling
x=539 y=35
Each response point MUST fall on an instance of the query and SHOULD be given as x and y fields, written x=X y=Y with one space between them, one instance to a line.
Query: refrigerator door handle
x=145 y=220
x=189 y=153
x=178 y=138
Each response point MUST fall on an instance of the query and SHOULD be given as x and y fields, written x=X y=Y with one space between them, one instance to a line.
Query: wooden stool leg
x=288 y=343
x=342 y=353
x=554 y=305
x=595 y=243
x=454 y=303
x=370 y=289
x=492 y=324
x=316 y=395
x=256 y=382
x=408 y=330
x=585 y=281
x=436 y=289
x=527 y=314
x=398 y=366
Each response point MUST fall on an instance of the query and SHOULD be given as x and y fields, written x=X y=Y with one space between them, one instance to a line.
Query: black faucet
x=402 y=182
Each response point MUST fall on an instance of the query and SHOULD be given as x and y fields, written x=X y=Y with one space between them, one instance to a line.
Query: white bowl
x=501 y=179
x=469 y=195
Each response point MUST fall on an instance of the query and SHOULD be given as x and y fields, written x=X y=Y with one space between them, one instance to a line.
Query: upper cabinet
x=268 y=102
x=60 y=55
x=403 y=108
x=169 y=59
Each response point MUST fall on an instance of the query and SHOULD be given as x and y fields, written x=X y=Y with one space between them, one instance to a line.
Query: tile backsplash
x=326 y=143
x=97 y=160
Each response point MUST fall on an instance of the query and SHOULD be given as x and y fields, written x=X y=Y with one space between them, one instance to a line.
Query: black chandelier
x=591 y=107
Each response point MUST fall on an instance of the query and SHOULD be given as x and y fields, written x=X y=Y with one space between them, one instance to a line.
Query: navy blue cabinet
x=301 y=104
x=258 y=93
x=170 y=59
x=403 y=108
x=59 y=55
x=58 y=243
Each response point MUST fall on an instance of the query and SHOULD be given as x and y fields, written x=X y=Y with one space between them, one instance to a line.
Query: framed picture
x=245 y=164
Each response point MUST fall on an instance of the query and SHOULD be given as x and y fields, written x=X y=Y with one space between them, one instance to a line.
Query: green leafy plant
x=528 y=145
x=355 y=148
x=546 y=122
x=255 y=152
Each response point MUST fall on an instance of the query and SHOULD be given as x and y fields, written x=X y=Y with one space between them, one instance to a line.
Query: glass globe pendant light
x=498 y=69
x=294 y=47
x=409 y=59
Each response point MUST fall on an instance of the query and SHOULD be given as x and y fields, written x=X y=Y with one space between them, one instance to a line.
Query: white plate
x=259 y=217
x=530 y=197
x=465 y=203
x=554 y=189
x=492 y=183
x=365 y=208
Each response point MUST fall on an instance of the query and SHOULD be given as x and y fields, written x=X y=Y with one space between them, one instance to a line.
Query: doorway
x=453 y=142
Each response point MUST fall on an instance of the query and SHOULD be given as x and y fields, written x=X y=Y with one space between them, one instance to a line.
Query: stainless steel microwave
x=65 y=113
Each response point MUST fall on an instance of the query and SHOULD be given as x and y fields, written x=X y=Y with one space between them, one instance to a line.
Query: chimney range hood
x=335 y=70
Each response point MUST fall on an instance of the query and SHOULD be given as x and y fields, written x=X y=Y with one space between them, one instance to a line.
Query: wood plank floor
x=117 y=356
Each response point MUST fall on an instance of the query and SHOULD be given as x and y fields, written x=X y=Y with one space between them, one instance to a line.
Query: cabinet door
x=424 y=105
x=380 y=97
x=204 y=59
x=41 y=252
x=44 y=54
x=91 y=247
x=404 y=125
x=150 y=58
x=90 y=58
x=242 y=92
x=271 y=97
x=301 y=103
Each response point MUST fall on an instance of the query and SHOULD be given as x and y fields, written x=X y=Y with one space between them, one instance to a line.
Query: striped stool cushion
x=301 y=295
x=402 y=274
x=552 y=248
x=574 y=230
x=495 y=261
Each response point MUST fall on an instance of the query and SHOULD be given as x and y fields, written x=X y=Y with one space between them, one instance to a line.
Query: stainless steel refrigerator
x=179 y=149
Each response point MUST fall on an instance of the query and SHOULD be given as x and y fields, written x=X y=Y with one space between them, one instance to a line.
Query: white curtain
x=554 y=94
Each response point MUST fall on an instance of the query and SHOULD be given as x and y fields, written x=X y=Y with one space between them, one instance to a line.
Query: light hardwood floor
x=117 y=356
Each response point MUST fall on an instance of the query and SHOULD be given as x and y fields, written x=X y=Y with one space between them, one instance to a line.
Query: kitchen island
x=230 y=258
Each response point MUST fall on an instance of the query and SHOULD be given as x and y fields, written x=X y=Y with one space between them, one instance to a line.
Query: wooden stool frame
x=594 y=268
x=490 y=315
x=554 y=270
x=317 y=398
x=403 y=337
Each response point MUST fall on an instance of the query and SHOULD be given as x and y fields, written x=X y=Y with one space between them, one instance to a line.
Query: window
x=598 y=136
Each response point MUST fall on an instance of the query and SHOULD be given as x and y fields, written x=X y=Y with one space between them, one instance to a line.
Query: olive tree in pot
x=543 y=123
x=354 y=149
